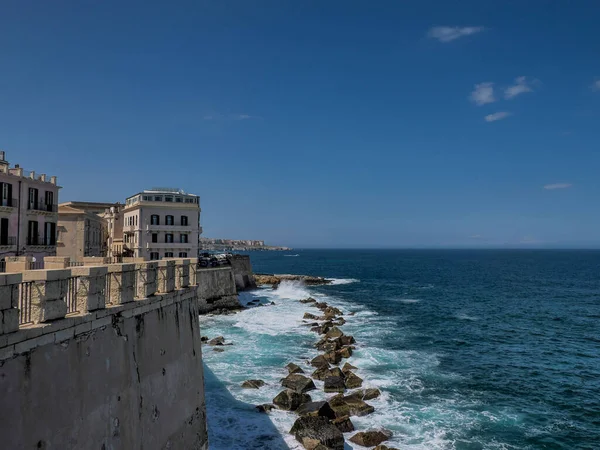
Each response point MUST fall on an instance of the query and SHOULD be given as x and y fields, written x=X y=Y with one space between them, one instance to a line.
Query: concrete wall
x=242 y=271
x=124 y=371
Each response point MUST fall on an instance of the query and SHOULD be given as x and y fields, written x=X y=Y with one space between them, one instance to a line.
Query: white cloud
x=483 y=94
x=447 y=34
x=558 y=186
x=497 y=116
x=520 y=87
x=596 y=85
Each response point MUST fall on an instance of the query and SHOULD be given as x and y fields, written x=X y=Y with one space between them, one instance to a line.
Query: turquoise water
x=472 y=349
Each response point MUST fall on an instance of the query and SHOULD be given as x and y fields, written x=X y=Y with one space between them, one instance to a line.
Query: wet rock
x=333 y=332
x=219 y=340
x=339 y=406
x=293 y=368
x=265 y=408
x=324 y=372
x=319 y=361
x=371 y=393
x=316 y=409
x=384 y=447
x=347 y=367
x=339 y=321
x=308 y=300
x=332 y=357
x=344 y=424
x=310 y=316
x=345 y=352
x=370 y=438
x=218 y=350
x=253 y=384
x=327 y=346
x=321 y=305
x=346 y=340
x=357 y=407
x=334 y=384
x=204 y=339
x=353 y=381
x=298 y=383
x=289 y=400
x=313 y=431
x=332 y=311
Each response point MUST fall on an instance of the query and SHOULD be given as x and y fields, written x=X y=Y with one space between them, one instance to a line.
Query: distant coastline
x=233 y=245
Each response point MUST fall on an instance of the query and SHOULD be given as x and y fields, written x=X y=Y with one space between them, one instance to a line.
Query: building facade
x=28 y=212
x=162 y=223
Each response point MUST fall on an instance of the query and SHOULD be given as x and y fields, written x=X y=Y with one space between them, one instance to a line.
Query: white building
x=162 y=223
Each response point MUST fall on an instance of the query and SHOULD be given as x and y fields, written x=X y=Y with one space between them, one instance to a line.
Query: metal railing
x=2 y=266
x=9 y=202
x=8 y=240
x=35 y=265
x=41 y=240
x=41 y=206
x=25 y=295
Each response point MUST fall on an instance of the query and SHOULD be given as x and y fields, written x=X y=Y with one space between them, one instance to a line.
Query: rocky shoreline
x=275 y=279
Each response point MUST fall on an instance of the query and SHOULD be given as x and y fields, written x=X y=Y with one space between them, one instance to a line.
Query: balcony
x=171 y=228
x=7 y=204
x=41 y=209
x=8 y=241
x=41 y=241
x=174 y=245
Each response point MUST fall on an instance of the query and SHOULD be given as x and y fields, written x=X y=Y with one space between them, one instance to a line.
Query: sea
x=472 y=349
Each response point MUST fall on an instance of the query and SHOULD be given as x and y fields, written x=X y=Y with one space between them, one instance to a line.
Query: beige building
x=86 y=229
x=162 y=223
x=28 y=212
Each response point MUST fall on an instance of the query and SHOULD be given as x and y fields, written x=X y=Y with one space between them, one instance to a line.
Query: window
x=155 y=237
x=154 y=256
x=183 y=254
x=183 y=238
x=168 y=254
x=136 y=220
x=170 y=220
x=168 y=238
x=49 y=233
x=154 y=219
x=49 y=200
x=6 y=194
x=168 y=198
x=145 y=197
x=178 y=199
x=33 y=198
x=158 y=198
x=4 y=231
x=32 y=233
x=184 y=221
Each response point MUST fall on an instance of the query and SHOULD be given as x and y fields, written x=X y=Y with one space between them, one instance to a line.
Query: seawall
x=103 y=358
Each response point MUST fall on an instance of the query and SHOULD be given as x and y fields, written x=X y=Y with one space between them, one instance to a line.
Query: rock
x=321 y=305
x=339 y=406
x=203 y=339
x=275 y=280
x=384 y=447
x=298 y=383
x=308 y=300
x=310 y=316
x=289 y=400
x=219 y=350
x=339 y=321
x=334 y=384
x=353 y=381
x=253 y=384
x=312 y=431
x=351 y=313
x=346 y=340
x=357 y=407
x=327 y=345
x=370 y=438
x=324 y=372
x=219 y=340
x=319 y=361
x=345 y=352
x=333 y=332
x=293 y=368
x=265 y=408
x=344 y=424
x=332 y=357
x=272 y=303
x=371 y=393
x=316 y=409
x=347 y=367
x=332 y=311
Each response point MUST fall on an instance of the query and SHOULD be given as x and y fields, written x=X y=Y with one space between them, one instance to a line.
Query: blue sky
x=319 y=124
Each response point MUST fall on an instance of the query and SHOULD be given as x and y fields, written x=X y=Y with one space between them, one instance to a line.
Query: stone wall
x=242 y=271
x=104 y=357
x=217 y=290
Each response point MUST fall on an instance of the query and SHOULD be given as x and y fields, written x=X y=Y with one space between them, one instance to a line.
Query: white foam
x=408 y=300
x=338 y=281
